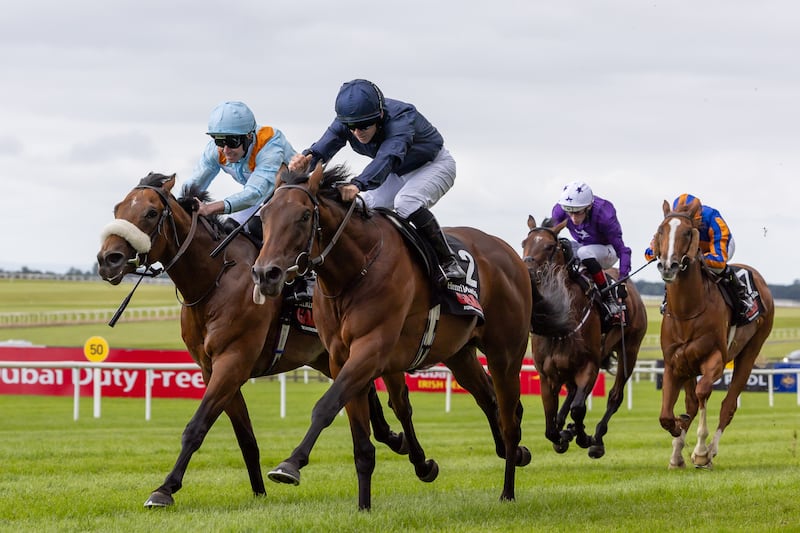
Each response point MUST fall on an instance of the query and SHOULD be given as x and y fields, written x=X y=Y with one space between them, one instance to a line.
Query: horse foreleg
x=584 y=383
x=380 y=427
x=507 y=389
x=552 y=429
x=243 y=429
x=700 y=455
x=363 y=450
x=676 y=459
x=615 y=396
x=219 y=391
x=426 y=470
x=322 y=415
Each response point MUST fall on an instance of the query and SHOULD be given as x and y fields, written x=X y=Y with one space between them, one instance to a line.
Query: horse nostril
x=113 y=259
x=273 y=274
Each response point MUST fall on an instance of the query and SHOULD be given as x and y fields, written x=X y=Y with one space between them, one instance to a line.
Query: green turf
x=95 y=474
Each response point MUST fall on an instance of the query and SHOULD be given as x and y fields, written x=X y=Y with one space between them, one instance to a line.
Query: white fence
x=150 y=368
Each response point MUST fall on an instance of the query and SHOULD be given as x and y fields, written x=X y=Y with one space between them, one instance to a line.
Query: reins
x=148 y=271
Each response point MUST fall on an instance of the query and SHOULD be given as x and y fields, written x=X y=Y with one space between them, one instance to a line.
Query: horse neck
x=687 y=294
x=358 y=245
x=195 y=270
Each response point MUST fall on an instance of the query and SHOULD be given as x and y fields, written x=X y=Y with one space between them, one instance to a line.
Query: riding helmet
x=576 y=194
x=231 y=118
x=358 y=101
x=686 y=200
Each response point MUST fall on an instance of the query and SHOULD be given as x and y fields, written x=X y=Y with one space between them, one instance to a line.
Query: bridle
x=166 y=214
x=303 y=263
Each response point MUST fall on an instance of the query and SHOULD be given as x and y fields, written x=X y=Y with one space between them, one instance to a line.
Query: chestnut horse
x=229 y=337
x=698 y=337
x=574 y=358
x=372 y=307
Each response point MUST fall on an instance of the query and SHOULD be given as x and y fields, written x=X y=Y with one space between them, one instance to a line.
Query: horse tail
x=550 y=312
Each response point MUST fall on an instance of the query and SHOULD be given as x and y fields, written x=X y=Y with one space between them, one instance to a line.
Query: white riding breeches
x=422 y=187
x=604 y=253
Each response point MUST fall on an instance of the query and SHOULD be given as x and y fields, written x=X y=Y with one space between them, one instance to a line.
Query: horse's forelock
x=154 y=179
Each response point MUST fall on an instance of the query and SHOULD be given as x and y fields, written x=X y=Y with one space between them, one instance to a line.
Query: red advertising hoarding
x=115 y=382
x=434 y=379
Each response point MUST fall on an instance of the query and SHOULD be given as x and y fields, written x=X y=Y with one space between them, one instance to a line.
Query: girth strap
x=427 y=338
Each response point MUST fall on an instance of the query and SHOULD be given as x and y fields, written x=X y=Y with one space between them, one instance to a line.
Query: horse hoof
x=159 y=499
x=596 y=452
x=584 y=442
x=433 y=471
x=285 y=473
x=561 y=447
x=673 y=466
x=523 y=456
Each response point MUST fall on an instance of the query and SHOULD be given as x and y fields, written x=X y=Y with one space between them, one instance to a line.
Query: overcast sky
x=643 y=100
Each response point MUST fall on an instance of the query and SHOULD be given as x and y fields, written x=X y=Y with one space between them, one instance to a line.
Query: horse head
x=677 y=241
x=542 y=248
x=130 y=239
x=290 y=222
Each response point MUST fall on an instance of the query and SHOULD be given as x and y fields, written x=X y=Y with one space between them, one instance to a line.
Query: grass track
x=94 y=474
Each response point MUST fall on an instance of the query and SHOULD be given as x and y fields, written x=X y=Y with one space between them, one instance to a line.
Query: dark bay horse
x=372 y=306
x=574 y=358
x=698 y=337
x=229 y=337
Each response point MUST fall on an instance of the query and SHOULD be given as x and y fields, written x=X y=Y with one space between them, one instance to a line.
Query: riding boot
x=742 y=302
x=229 y=225
x=429 y=229
x=608 y=296
x=253 y=227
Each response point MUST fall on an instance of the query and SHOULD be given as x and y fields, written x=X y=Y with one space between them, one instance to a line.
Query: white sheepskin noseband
x=135 y=237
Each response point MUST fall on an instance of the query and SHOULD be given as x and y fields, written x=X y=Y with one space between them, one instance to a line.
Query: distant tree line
x=779 y=292
x=649 y=288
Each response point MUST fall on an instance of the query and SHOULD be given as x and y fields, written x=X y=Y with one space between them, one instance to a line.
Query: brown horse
x=698 y=337
x=373 y=310
x=574 y=358
x=229 y=337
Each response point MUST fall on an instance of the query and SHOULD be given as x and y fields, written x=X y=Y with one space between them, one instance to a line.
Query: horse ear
x=561 y=225
x=315 y=179
x=279 y=176
x=666 y=208
x=531 y=222
x=169 y=183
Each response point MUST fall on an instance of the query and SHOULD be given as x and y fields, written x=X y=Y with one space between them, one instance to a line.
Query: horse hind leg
x=676 y=459
x=427 y=470
x=396 y=442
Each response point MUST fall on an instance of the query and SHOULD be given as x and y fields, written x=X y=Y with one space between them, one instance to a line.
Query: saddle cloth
x=462 y=298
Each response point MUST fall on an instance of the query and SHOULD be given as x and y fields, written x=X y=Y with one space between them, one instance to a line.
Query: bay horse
x=228 y=336
x=373 y=306
x=698 y=336
x=573 y=358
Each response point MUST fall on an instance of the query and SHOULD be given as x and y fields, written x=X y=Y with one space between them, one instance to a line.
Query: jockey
x=250 y=154
x=410 y=168
x=592 y=222
x=717 y=245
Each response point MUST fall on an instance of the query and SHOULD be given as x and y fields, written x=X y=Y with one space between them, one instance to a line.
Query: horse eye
x=151 y=213
x=306 y=216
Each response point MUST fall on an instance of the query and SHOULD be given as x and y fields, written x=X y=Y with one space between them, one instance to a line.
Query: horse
x=227 y=335
x=574 y=358
x=699 y=337
x=374 y=312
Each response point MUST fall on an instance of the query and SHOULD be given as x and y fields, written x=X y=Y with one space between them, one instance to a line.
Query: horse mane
x=186 y=201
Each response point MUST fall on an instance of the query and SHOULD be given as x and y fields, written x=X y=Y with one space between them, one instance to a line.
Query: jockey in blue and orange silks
x=717 y=245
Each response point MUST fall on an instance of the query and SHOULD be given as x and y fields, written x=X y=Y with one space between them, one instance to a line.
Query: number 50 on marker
x=96 y=349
